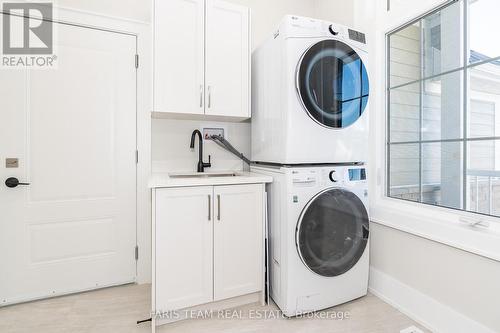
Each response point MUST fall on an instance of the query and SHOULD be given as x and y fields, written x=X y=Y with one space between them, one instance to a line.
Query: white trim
x=153 y=260
x=425 y=310
x=79 y=11
x=105 y=16
x=144 y=107
x=43 y=296
x=440 y=225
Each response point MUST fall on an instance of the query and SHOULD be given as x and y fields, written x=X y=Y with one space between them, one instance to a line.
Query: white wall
x=462 y=282
x=338 y=11
x=267 y=14
x=171 y=138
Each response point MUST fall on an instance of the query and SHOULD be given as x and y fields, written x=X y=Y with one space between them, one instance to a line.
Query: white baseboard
x=428 y=312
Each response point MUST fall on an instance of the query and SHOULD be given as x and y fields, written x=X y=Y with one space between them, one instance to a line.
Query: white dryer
x=310 y=94
x=318 y=236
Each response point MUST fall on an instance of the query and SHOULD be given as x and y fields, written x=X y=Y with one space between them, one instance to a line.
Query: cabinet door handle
x=201 y=95
x=209 y=97
x=218 y=207
x=209 y=207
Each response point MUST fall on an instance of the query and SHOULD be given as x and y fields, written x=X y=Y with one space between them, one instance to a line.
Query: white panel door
x=179 y=56
x=184 y=239
x=73 y=129
x=227 y=59
x=238 y=240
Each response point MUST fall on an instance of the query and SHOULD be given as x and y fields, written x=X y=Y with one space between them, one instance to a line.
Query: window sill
x=440 y=225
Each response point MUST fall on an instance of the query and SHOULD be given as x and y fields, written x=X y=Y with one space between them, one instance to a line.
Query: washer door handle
x=366 y=232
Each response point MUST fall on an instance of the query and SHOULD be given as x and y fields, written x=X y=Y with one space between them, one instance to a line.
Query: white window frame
x=471 y=232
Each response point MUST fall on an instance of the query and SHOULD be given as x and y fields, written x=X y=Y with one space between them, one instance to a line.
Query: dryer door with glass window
x=332 y=232
x=332 y=84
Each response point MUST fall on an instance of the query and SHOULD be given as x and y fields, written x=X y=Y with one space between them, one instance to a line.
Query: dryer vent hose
x=229 y=147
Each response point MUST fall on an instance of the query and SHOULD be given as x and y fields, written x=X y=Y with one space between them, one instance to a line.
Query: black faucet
x=201 y=165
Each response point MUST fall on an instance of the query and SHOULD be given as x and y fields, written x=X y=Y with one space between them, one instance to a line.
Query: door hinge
x=136 y=252
x=136 y=61
x=136 y=157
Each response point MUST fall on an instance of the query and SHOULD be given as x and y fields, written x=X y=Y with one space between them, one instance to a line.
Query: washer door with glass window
x=332 y=84
x=332 y=232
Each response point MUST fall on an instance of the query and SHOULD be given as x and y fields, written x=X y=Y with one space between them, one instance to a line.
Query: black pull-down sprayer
x=201 y=165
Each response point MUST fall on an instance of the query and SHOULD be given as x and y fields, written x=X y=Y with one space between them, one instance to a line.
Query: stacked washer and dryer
x=310 y=133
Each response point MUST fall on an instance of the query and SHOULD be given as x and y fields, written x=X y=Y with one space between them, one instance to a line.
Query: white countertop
x=165 y=179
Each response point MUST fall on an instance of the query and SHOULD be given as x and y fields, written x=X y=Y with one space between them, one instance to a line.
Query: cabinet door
x=227 y=60
x=238 y=240
x=184 y=240
x=179 y=56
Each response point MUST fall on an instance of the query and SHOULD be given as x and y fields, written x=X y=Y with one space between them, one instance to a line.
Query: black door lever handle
x=13 y=182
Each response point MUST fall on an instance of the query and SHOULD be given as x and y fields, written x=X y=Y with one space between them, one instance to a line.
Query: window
x=443 y=108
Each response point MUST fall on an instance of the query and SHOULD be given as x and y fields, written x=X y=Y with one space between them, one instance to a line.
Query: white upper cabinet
x=201 y=59
x=179 y=60
x=227 y=59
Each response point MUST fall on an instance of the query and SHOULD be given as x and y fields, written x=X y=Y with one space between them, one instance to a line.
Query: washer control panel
x=357 y=174
x=333 y=176
x=346 y=174
x=323 y=176
x=304 y=177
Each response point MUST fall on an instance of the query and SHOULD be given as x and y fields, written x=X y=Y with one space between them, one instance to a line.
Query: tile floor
x=117 y=310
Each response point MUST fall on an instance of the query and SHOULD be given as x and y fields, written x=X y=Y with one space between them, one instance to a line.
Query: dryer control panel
x=301 y=27
x=357 y=36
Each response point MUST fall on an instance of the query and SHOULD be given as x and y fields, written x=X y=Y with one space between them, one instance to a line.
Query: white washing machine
x=310 y=94
x=318 y=236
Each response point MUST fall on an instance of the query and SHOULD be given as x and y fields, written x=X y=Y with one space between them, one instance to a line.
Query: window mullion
x=388 y=119
x=421 y=116
x=465 y=80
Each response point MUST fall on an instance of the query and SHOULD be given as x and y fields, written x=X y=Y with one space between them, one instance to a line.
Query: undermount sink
x=203 y=175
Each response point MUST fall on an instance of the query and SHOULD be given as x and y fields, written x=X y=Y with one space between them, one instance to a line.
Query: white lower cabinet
x=184 y=242
x=208 y=244
x=238 y=240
